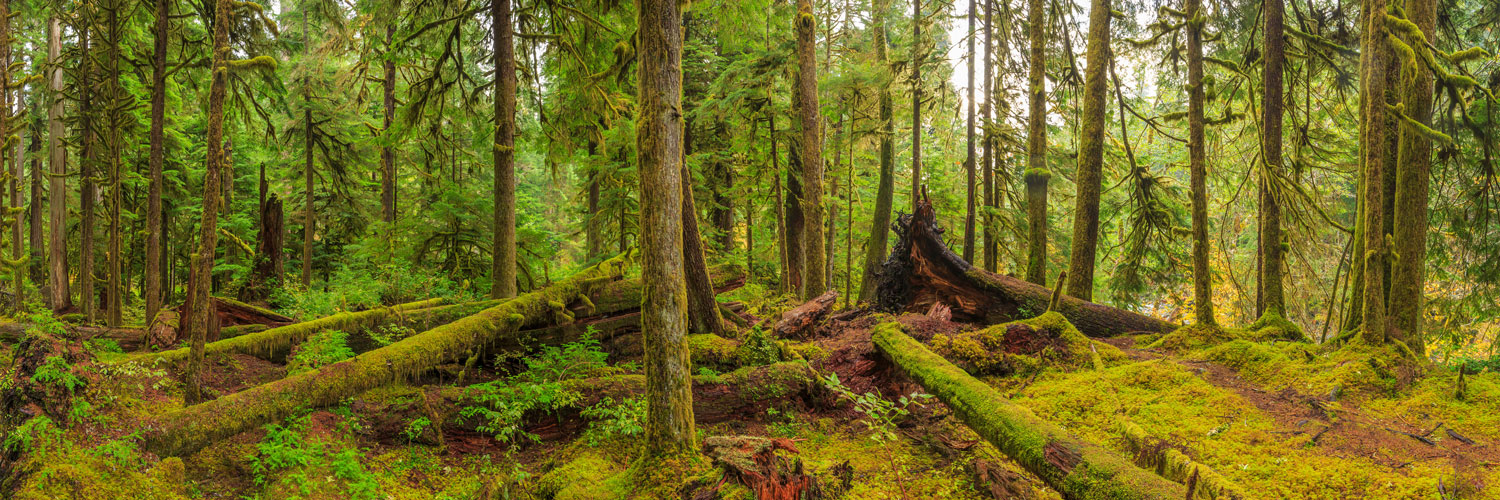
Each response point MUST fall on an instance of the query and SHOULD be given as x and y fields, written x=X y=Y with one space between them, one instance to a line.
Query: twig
x=1413 y=436
x=1455 y=435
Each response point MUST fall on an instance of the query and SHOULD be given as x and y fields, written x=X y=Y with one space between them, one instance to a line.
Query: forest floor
x=1280 y=419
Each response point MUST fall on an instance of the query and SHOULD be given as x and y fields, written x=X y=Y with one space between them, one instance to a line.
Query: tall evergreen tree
x=1090 y=155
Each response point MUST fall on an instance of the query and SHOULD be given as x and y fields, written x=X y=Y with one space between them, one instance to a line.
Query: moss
x=585 y=477
x=1053 y=343
x=1271 y=326
x=713 y=351
x=1017 y=432
x=809 y=351
x=768 y=382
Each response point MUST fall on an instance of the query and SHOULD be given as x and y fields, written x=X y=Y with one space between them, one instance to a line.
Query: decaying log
x=1171 y=463
x=743 y=394
x=187 y=430
x=798 y=322
x=15 y=332
x=276 y=342
x=921 y=271
x=1075 y=468
x=227 y=312
x=752 y=462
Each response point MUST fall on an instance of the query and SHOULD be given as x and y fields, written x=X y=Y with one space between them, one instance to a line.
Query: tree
x=1413 y=177
x=309 y=218
x=814 y=261
x=1203 y=305
x=1272 y=298
x=503 y=266
x=886 y=185
x=991 y=245
x=59 y=297
x=388 y=136
x=1036 y=175
x=1373 y=54
x=87 y=159
x=969 y=144
x=157 y=155
x=669 y=396
x=916 y=103
x=1090 y=155
x=199 y=308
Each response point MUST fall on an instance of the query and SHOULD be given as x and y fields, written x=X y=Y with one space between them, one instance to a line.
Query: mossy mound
x=1357 y=368
x=1048 y=341
x=585 y=477
x=1270 y=327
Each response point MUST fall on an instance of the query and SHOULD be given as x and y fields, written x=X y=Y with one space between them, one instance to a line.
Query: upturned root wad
x=922 y=271
x=187 y=430
x=1075 y=468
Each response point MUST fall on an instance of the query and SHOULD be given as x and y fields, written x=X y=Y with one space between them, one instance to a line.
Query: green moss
x=585 y=477
x=1059 y=346
x=712 y=351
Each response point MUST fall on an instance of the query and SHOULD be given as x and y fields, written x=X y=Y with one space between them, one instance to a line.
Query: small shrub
x=320 y=349
x=613 y=421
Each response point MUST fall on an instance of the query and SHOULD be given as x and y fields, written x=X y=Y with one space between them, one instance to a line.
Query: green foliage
x=36 y=432
x=882 y=416
x=504 y=402
x=320 y=349
x=56 y=371
x=611 y=421
x=758 y=347
x=415 y=428
x=286 y=459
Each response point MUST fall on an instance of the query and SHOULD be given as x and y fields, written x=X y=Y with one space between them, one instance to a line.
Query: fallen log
x=798 y=322
x=187 y=430
x=274 y=343
x=1173 y=464
x=921 y=271
x=1075 y=468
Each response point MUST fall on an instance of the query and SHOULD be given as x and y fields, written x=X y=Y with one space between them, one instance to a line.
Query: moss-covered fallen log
x=1173 y=464
x=921 y=271
x=275 y=342
x=189 y=429
x=1075 y=468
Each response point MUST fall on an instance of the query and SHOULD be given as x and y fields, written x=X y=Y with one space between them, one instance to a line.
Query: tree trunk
x=58 y=294
x=1413 y=168
x=797 y=323
x=503 y=266
x=703 y=310
x=1270 y=205
x=1074 y=467
x=265 y=272
x=669 y=396
x=922 y=272
x=1374 y=53
x=1037 y=174
x=880 y=221
x=1203 y=299
x=195 y=325
x=309 y=219
x=87 y=191
x=815 y=262
x=969 y=159
x=916 y=103
x=36 y=242
x=1090 y=156
x=388 y=150
x=991 y=235
x=154 y=250
x=593 y=237
x=8 y=160
x=793 y=206
x=187 y=430
x=115 y=103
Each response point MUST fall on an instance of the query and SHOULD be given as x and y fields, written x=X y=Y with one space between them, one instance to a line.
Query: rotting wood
x=798 y=322
x=186 y=430
x=1075 y=468
x=1173 y=464
x=922 y=271
x=276 y=342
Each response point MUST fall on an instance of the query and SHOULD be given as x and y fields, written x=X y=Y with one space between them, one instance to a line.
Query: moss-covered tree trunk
x=184 y=431
x=309 y=218
x=87 y=190
x=115 y=102
x=969 y=158
x=58 y=294
x=1090 y=156
x=1036 y=175
x=1373 y=55
x=503 y=265
x=916 y=103
x=1074 y=467
x=1270 y=280
x=1203 y=304
x=814 y=261
x=35 y=240
x=195 y=325
x=1413 y=176
x=158 y=153
x=796 y=268
x=658 y=132
x=880 y=220
x=703 y=309
x=388 y=148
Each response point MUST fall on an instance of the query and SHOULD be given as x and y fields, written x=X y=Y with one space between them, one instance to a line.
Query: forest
x=750 y=249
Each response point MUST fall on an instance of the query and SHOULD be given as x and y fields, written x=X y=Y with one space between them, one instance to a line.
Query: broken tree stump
x=798 y=322
x=187 y=430
x=921 y=271
x=1075 y=468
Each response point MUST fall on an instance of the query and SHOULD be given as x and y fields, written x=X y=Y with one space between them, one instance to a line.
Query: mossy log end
x=187 y=430
x=922 y=271
x=1075 y=468
x=1025 y=346
x=276 y=342
x=1173 y=464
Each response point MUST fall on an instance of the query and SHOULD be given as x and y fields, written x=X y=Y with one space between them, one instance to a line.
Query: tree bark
x=309 y=219
x=969 y=146
x=116 y=100
x=1203 y=301
x=797 y=323
x=815 y=262
x=36 y=242
x=1037 y=174
x=87 y=191
x=1074 y=467
x=503 y=267
x=58 y=294
x=875 y=249
x=195 y=325
x=669 y=396
x=1272 y=297
x=916 y=103
x=922 y=272
x=991 y=236
x=184 y=431
x=1090 y=156
x=154 y=250
x=1413 y=176
x=9 y=161
x=703 y=310
x=1374 y=53
x=388 y=149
